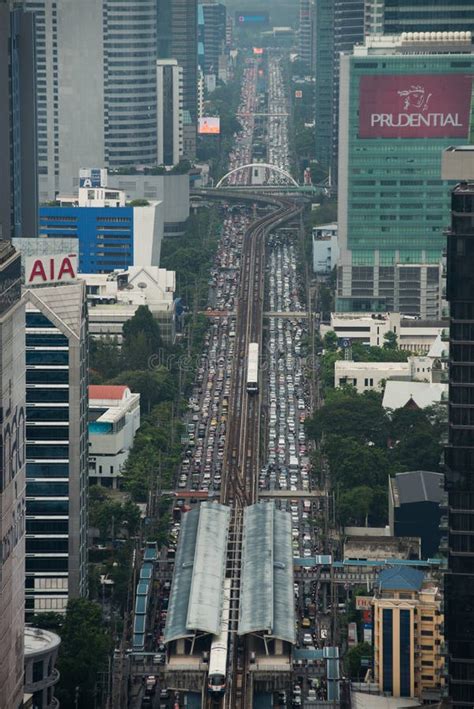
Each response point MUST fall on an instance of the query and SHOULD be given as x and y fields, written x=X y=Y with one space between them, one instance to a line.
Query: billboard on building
x=415 y=106
x=46 y=270
x=363 y=603
x=209 y=125
x=252 y=18
x=92 y=177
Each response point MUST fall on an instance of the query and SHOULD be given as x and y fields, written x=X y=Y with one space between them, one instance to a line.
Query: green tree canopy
x=154 y=385
x=84 y=652
x=141 y=339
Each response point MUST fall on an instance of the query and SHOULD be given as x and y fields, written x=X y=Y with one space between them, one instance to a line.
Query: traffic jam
x=286 y=395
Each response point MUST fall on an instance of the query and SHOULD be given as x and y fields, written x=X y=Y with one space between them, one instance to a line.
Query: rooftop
x=266 y=590
x=198 y=580
x=38 y=640
x=418 y=486
x=399 y=393
x=108 y=391
x=400 y=578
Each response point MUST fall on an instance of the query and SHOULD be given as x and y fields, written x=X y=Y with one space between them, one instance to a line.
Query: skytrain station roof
x=266 y=590
x=196 y=596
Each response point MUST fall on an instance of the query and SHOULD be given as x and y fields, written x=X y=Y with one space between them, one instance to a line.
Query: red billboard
x=415 y=106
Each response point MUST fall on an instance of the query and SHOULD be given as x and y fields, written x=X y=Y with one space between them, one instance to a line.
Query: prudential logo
x=415 y=99
x=416 y=106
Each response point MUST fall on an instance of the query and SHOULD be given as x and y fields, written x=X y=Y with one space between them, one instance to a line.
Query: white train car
x=216 y=682
x=252 y=368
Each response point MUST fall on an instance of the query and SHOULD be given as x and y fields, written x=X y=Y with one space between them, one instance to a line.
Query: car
x=307 y=639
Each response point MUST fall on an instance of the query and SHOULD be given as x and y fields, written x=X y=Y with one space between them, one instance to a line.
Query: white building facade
x=325 y=248
x=114 y=419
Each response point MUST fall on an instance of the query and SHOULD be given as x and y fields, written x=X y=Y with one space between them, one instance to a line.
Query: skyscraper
x=339 y=25
x=56 y=445
x=306 y=34
x=96 y=79
x=402 y=101
x=215 y=16
x=459 y=453
x=18 y=168
x=12 y=477
x=169 y=79
x=177 y=39
x=396 y=16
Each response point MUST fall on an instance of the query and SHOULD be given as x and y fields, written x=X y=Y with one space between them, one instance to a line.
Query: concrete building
x=370 y=328
x=177 y=39
x=325 y=248
x=12 y=478
x=172 y=190
x=18 y=148
x=114 y=419
x=110 y=234
x=408 y=633
x=414 y=508
x=114 y=298
x=169 y=78
x=96 y=87
x=459 y=453
x=41 y=652
x=57 y=446
x=399 y=100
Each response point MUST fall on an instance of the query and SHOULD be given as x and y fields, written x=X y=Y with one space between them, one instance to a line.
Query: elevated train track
x=242 y=453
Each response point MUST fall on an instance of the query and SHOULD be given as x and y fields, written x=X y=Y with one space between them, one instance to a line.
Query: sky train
x=252 y=368
x=216 y=682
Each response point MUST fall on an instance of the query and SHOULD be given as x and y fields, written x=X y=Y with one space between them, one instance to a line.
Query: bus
x=252 y=368
x=216 y=682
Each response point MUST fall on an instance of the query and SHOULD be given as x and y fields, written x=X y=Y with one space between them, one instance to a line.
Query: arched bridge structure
x=267 y=166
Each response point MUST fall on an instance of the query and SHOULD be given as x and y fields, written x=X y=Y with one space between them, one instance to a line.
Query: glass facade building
x=130 y=82
x=393 y=204
x=396 y=16
x=104 y=234
x=56 y=447
x=459 y=454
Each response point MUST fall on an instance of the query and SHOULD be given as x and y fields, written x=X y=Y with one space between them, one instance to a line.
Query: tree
x=141 y=339
x=104 y=358
x=353 y=657
x=110 y=516
x=153 y=385
x=84 y=651
x=390 y=341
x=330 y=341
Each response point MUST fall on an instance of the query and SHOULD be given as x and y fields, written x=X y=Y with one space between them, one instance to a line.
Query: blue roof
x=401 y=578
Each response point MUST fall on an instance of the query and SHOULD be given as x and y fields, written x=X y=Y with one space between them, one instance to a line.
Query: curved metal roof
x=196 y=591
x=266 y=587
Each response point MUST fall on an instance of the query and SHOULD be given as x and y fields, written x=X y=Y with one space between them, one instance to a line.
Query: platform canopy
x=266 y=589
x=196 y=597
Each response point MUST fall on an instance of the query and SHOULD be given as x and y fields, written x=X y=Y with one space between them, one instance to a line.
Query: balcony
x=443 y=523
x=445 y=335
x=443 y=545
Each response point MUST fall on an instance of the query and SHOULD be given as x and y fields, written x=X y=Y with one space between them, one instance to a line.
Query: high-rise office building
x=396 y=16
x=459 y=453
x=408 y=634
x=96 y=87
x=18 y=169
x=56 y=445
x=12 y=477
x=215 y=18
x=177 y=39
x=402 y=101
x=306 y=33
x=169 y=77
x=324 y=64
x=339 y=26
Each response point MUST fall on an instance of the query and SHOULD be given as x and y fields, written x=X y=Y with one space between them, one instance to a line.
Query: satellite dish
x=142 y=284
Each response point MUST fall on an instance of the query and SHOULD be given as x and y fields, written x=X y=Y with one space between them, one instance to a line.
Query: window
x=38 y=671
x=387 y=639
x=405 y=654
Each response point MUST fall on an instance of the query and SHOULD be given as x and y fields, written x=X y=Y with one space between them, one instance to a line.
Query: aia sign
x=50 y=269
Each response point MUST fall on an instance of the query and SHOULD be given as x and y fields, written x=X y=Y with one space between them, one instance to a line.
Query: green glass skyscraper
x=402 y=101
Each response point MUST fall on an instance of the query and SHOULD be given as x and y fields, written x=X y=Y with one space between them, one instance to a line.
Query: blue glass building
x=105 y=234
